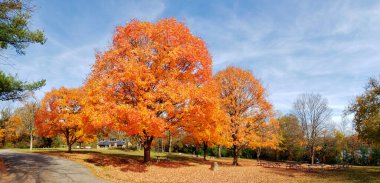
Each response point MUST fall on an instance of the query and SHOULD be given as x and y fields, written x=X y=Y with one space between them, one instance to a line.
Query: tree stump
x=214 y=166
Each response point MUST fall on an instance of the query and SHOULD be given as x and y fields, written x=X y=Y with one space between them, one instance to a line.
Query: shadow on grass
x=124 y=162
x=135 y=163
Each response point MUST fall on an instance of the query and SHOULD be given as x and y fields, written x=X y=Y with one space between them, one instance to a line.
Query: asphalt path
x=37 y=168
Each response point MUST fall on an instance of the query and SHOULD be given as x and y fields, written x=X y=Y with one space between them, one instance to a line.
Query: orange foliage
x=11 y=132
x=267 y=135
x=205 y=121
x=142 y=84
x=244 y=101
x=61 y=113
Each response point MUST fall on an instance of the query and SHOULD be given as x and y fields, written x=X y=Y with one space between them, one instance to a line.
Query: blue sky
x=326 y=47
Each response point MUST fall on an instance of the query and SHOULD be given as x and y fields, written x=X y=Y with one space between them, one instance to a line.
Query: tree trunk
x=290 y=158
x=3 y=141
x=219 y=151
x=170 y=142
x=68 y=141
x=147 y=146
x=69 y=150
x=204 y=150
x=235 y=151
x=277 y=155
x=162 y=146
x=31 y=141
x=312 y=155
x=146 y=153
x=258 y=153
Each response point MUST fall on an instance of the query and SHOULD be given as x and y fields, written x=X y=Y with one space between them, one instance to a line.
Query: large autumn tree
x=366 y=110
x=244 y=101
x=61 y=114
x=142 y=83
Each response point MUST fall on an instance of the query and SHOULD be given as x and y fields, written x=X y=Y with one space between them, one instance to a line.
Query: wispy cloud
x=330 y=48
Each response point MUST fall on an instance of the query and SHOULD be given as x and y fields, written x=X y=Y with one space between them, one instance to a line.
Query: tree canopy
x=291 y=135
x=205 y=121
x=14 y=89
x=313 y=113
x=243 y=99
x=144 y=81
x=366 y=110
x=14 y=29
x=61 y=113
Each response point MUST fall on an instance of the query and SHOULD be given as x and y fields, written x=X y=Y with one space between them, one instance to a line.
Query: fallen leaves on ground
x=3 y=170
x=124 y=168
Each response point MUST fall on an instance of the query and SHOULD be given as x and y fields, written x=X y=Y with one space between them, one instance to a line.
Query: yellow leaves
x=12 y=130
x=2 y=133
x=250 y=114
x=267 y=135
x=318 y=148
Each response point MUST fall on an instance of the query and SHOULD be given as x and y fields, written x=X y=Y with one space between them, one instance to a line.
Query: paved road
x=37 y=168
